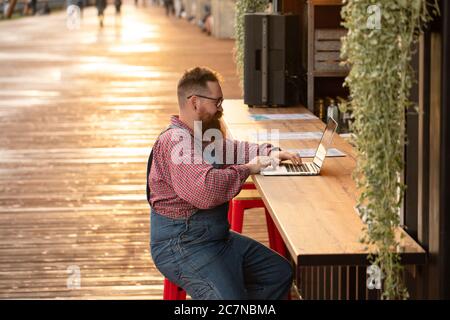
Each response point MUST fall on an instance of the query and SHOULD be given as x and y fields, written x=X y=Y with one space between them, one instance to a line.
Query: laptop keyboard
x=297 y=168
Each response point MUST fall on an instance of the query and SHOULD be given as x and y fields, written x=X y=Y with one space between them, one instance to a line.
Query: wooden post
x=11 y=9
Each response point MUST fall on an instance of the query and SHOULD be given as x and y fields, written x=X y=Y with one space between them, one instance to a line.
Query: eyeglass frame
x=218 y=100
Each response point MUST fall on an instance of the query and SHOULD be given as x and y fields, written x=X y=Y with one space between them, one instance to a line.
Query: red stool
x=249 y=198
x=275 y=240
x=173 y=292
x=236 y=209
x=248 y=185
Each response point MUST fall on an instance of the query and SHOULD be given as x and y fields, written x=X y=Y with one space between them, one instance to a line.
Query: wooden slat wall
x=327 y=45
x=335 y=283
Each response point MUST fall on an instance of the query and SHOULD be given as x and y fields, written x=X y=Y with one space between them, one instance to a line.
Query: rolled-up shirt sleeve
x=241 y=152
x=198 y=182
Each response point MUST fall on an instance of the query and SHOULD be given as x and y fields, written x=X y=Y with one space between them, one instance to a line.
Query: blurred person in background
x=101 y=6
x=168 y=4
x=80 y=4
x=30 y=8
x=118 y=4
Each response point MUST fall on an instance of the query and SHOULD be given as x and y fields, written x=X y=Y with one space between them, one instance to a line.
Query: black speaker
x=271 y=59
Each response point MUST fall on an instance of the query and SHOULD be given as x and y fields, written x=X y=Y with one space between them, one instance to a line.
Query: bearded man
x=191 y=241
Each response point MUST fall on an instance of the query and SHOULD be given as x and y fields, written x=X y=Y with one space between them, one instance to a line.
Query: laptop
x=307 y=168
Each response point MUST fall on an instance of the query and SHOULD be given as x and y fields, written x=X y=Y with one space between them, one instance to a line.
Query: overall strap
x=150 y=160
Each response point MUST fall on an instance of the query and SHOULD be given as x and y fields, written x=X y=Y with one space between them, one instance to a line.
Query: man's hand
x=284 y=155
x=261 y=162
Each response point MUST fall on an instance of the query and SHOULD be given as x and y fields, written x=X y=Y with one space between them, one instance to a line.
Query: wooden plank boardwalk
x=78 y=112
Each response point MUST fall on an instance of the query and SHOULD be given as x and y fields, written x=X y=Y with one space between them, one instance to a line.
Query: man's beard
x=214 y=123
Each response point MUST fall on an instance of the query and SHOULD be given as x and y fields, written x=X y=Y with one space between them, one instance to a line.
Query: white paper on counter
x=264 y=135
x=310 y=153
x=285 y=116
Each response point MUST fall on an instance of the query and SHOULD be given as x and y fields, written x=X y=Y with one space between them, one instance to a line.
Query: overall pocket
x=195 y=234
x=164 y=258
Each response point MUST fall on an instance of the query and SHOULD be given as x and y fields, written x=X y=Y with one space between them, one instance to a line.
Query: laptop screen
x=325 y=142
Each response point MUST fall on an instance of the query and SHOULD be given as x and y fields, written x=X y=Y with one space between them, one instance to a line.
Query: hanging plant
x=378 y=47
x=243 y=7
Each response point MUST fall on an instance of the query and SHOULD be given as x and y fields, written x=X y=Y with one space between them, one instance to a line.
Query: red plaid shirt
x=179 y=188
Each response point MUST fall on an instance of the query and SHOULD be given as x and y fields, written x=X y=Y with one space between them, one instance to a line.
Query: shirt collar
x=175 y=120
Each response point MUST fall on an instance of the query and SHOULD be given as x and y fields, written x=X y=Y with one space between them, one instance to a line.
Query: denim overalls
x=201 y=255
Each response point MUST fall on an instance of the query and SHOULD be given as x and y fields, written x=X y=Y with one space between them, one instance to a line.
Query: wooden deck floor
x=78 y=112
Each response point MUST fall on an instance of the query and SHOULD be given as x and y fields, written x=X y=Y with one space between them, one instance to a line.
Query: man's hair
x=194 y=81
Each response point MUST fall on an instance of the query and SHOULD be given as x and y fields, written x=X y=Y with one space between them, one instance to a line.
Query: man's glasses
x=217 y=100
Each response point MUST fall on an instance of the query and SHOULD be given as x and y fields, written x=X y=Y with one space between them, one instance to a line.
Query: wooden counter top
x=314 y=214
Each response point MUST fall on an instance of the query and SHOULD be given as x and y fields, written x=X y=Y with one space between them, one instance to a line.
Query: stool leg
x=172 y=291
x=181 y=294
x=280 y=247
x=168 y=290
x=276 y=242
x=270 y=230
x=237 y=214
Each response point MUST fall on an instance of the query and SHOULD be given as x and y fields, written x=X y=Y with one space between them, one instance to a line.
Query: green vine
x=380 y=80
x=243 y=7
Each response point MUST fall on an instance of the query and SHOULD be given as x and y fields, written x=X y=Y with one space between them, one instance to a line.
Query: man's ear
x=194 y=102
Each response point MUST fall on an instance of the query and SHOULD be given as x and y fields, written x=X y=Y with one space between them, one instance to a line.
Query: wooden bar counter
x=315 y=215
